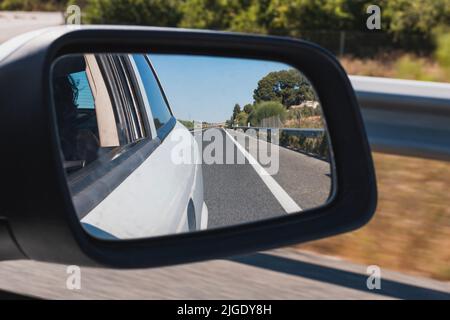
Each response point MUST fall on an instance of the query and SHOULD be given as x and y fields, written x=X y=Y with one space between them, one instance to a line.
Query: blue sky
x=207 y=88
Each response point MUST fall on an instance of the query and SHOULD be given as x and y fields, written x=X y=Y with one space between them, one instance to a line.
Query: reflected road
x=236 y=193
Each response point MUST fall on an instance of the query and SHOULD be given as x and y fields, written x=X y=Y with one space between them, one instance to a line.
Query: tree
x=242 y=119
x=298 y=18
x=236 y=110
x=406 y=17
x=136 y=12
x=210 y=14
x=248 y=108
x=228 y=124
x=286 y=86
x=291 y=17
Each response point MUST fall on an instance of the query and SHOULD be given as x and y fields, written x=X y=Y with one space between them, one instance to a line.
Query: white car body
x=159 y=197
x=154 y=199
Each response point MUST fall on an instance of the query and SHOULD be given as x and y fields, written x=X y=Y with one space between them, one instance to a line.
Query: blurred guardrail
x=404 y=116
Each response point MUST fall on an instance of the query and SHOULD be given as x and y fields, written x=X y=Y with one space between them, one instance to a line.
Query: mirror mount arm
x=9 y=248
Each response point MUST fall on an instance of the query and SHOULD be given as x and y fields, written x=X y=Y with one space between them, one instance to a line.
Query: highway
x=235 y=193
x=279 y=274
x=285 y=273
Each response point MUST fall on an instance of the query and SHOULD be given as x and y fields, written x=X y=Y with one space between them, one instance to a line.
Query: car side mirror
x=162 y=146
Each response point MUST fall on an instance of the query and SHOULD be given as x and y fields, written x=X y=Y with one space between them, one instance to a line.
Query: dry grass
x=397 y=65
x=411 y=228
x=305 y=122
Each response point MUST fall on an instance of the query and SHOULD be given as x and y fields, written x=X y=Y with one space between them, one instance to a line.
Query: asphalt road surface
x=280 y=274
x=234 y=191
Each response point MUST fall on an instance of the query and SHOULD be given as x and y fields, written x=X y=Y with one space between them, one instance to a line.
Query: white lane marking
x=288 y=204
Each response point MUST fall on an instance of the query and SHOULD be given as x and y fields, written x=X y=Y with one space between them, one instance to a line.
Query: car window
x=84 y=98
x=158 y=105
x=88 y=110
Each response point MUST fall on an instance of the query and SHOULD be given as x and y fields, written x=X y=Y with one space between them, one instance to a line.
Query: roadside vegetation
x=281 y=99
x=187 y=123
x=315 y=146
x=285 y=99
x=403 y=65
x=413 y=43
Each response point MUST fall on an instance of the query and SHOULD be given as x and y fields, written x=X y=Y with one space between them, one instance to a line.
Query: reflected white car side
x=159 y=197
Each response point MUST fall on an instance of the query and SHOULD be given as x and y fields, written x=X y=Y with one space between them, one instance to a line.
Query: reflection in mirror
x=158 y=144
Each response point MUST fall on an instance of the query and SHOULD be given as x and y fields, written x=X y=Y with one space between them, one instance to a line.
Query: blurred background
x=411 y=228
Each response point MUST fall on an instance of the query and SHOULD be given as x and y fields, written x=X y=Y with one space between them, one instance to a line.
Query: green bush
x=405 y=17
x=242 y=119
x=134 y=12
x=188 y=124
x=266 y=110
x=443 y=50
x=400 y=19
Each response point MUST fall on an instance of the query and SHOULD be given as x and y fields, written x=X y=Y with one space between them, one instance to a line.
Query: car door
x=160 y=195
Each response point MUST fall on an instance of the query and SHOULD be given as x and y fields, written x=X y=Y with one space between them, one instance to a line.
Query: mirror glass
x=158 y=144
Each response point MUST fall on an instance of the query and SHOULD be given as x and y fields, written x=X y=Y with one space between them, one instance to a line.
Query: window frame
x=163 y=131
x=127 y=110
x=92 y=184
x=108 y=133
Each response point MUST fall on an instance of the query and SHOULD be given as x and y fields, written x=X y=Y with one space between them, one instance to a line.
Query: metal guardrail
x=294 y=131
x=405 y=117
x=268 y=135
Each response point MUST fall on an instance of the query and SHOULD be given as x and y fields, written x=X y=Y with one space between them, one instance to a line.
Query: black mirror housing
x=36 y=212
